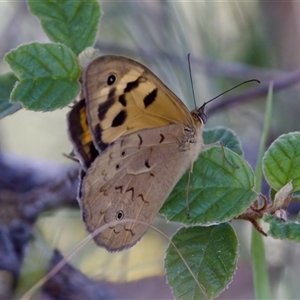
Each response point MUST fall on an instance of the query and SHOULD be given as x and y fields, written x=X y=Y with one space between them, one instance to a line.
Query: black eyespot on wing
x=119 y=215
x=111 y=79
x=105 y=106
x=119 y=119
x=150 y=98
x=123 y=153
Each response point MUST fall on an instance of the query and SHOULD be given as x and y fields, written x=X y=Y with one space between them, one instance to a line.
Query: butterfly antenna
x=242 y=83
x=201 y=110
x=191 y=79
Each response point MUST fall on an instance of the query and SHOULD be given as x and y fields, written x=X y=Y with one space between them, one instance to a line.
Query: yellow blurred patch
x=64 y=230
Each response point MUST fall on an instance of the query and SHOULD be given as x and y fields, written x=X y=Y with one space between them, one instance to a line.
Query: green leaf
x=272 y=194
x=44 y=94
x=220 y=189
x=211 y=254
x=280 y=229
x=43 y=60
x=73 y=23
x=48 y=75
x=281 y=162
x=225 y=136
x=7 y=82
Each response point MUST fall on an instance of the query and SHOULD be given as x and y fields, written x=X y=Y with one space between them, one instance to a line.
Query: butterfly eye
x=120 y=215
x=111 y=79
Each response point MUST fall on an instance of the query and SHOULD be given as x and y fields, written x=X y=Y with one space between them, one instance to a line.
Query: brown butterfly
x=135 y=139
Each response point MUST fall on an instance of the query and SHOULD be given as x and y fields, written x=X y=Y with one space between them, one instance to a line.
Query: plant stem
x=259 y=264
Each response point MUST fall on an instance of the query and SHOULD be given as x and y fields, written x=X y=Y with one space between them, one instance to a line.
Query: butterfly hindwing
x=131 y=179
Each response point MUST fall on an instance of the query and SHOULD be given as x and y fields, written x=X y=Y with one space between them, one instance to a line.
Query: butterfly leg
x=219 y=144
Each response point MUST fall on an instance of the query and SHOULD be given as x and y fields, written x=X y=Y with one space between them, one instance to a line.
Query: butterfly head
x=199 y=115
x=201 y=112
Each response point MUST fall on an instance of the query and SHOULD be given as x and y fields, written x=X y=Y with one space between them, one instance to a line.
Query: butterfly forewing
x=123 y=96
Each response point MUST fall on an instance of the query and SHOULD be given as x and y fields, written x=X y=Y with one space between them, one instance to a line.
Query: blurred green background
x=229 y=42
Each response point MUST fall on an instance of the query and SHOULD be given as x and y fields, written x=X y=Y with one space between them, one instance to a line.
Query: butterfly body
x=146 y=139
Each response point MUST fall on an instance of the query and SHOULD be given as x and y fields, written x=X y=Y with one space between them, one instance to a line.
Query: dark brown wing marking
x=142 y=197
x=162 y=137
x=150 y=98
x=119 y=119
x=132 y=192
x=141 y=140
x=147 y=164
x=119 y=188
x=122 y=100
x=132 y=85
x=105 y=106
x=98 y=138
